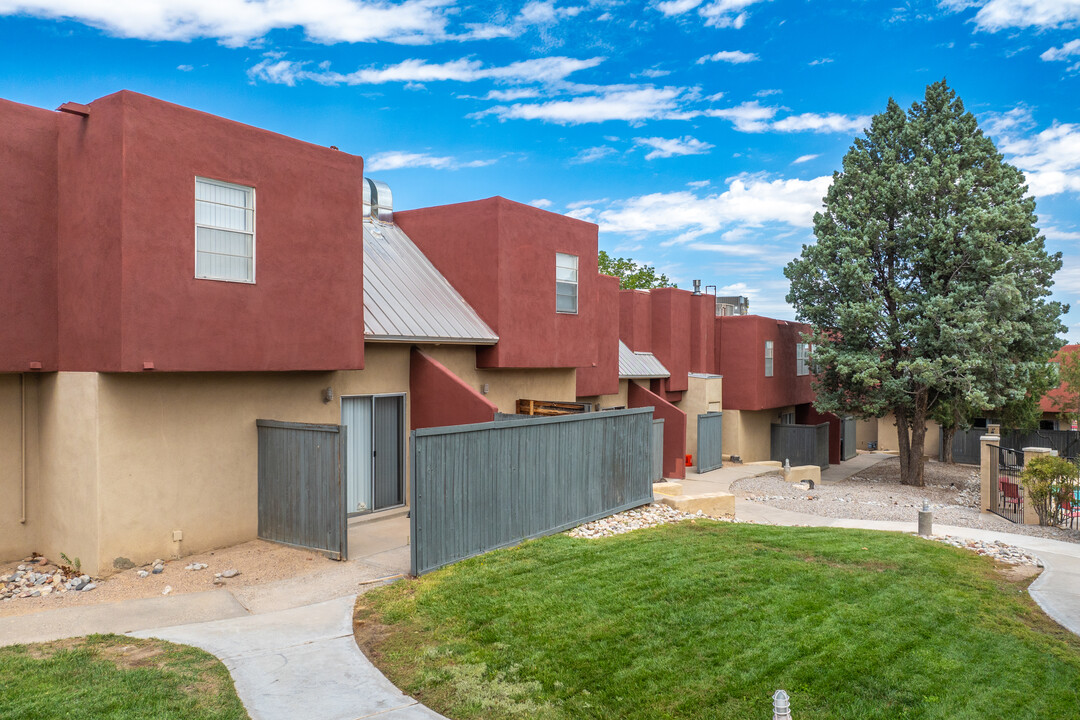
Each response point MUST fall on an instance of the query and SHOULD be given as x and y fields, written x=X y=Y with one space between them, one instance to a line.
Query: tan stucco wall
x=609 y=401
x=748 y=434
x=15 y=536
x=702 y=395
x=506 y=385
x=887 y=437
x=866 y=431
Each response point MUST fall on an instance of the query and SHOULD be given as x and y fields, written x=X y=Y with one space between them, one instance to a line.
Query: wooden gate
x=847 y=438
x=710 y=443
x=801 y=444
x=302 y=486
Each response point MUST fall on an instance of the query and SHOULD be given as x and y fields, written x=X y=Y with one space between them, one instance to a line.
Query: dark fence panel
x=801 y=444
x=302 y=486
x=479 y=487
x=848 y=446
x=1006 y=493
x=658 y=449
x=710 y=444
x=966 y=442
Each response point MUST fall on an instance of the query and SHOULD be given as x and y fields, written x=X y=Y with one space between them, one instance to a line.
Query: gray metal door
x=302 y=485
x=847 y=439
x=658 y=449
x=389 y=431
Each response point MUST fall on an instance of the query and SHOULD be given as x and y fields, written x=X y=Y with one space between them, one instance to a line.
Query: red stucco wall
x=603 y=377
x=702 y=331
x=674 y=427
x=500 y=255
x=438 y=398
x=741 y=349
x=124 y=213
x=635 y=319
x=671 y=334
x=28 y=333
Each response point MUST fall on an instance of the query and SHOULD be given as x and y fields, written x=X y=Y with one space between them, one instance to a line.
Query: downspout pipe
x=22 y=454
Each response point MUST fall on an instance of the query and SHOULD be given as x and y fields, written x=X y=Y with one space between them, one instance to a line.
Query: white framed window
x=224 y=231
x=566 y=283
x=768 y=358
x=802 y=358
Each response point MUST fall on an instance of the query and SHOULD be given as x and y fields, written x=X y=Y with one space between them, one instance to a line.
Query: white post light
x=780 y=707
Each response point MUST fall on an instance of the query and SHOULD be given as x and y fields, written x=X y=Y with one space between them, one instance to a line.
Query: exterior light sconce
x=484 y=389
x=327 y=394
x=781 y=708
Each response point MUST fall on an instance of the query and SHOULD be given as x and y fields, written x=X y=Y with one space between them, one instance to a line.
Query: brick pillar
x=987 y=456
x=1030 y=516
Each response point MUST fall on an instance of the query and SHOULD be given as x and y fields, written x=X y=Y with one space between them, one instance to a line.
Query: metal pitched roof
x=639 y=365
x=407 y=300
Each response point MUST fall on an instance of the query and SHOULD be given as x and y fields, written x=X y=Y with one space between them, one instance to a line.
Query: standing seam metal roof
x=406 y=299
x=639 y=365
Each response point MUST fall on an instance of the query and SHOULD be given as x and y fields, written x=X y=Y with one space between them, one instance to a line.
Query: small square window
x=566 y=283
x=768 y=358
x=224 y=231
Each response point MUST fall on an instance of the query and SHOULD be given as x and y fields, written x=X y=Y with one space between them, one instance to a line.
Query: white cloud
x=738 y=288
x=655 y=73
x=185 y=68
x=275 y=69
x=731 y=249
x=718 y=13
x=699 y=183
x=767 y=93
x=629 y=103
x=1066 y=52
x=1059 y=235
x=735 y=57
x=804 y=158
x=592 y=154
x=537 y=13
x=685 y=215
x=829 y=122
x=747 y=117
x=239 y=22
x=395 y=160
x=1050 y=159
x=1043 y=14
x=667 y=147
x=541 y=203
x=821 y=61
x=512 y=94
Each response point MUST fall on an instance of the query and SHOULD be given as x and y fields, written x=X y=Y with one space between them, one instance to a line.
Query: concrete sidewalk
x=1056 y=590
x=299 y=663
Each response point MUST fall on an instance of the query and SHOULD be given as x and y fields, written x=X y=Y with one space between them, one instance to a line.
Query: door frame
x=404 y=447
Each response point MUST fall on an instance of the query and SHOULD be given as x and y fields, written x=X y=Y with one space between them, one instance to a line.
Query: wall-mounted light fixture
x=327 y=394
x=484 y=389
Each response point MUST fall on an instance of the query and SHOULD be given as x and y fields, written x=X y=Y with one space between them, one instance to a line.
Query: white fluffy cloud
x=747 y=117
x=628 y=103
x=395 y=160
x=735 y=57
x=717 y=13
x=239 y=22
x=753 y=117
x=668 y=147
x=1066 y=51
x=685 y=216
x=1050 y=159
x=804 y=158
x=1002 y=14
x=275 y=69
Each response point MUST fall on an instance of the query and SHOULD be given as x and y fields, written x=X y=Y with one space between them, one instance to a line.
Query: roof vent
x=697 y=287
x=378 y=201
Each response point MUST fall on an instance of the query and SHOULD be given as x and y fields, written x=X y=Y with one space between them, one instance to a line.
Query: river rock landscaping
x=875 y=493
x=638 y=518
x=36 y=576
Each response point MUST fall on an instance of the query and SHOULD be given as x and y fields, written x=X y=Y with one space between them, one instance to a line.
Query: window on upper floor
x=802 y=358
x=224 y=231
x=768 y=358
x=566 y=283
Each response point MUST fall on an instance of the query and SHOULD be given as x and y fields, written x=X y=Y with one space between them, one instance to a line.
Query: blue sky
x=699 y=134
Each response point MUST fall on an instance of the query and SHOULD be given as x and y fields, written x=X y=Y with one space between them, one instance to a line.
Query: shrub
x=1050 y=482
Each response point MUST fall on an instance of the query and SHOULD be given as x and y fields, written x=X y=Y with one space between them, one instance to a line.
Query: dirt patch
x=1024 y=574
x=258 y=561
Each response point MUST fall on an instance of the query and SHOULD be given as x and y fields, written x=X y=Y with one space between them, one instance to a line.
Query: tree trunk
x=948 y=434
x=911 y=437
x=903 y=440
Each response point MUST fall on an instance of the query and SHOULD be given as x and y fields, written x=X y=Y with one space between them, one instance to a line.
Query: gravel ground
x=257 y=561
x=875 y=493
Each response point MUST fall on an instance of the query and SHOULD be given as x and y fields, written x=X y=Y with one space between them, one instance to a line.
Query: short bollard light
x=926 y=520
x=781 y=708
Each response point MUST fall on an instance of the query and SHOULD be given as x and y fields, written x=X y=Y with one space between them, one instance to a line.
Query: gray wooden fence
x=801 y=444
x=479 y=487
x=966 y=442
x=658 y=449
x=710 y=443
x=302 y=486
x=849 y=438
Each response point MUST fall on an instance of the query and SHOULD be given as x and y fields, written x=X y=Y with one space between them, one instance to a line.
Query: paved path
x=299 y=663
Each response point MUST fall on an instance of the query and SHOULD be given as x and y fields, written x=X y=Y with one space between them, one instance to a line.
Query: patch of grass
x=707 y=620
x=106 y=677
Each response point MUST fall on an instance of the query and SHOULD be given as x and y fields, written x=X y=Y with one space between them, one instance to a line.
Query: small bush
x=1049 y=482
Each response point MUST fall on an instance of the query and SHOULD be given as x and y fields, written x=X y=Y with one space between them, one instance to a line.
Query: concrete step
x=715 y=504
x=667 y=488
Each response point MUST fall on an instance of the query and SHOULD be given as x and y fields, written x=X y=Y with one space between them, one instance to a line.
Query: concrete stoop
x=715 y=504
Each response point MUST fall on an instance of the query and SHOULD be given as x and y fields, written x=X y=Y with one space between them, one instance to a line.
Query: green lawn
x=707 y=620
x=111 y=676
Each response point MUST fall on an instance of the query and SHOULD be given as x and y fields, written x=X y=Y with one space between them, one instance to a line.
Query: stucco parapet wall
x=718 y=504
